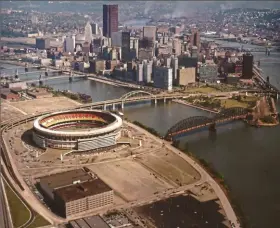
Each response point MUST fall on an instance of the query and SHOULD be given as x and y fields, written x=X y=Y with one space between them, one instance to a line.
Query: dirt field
x=8 y=112
x=129 y=179
x=170 y=166
x=44 y=104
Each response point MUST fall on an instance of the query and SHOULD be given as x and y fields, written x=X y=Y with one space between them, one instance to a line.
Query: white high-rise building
x=163 y=78
x=88 y=33
x=95 y=28
x=69 y=44
x=147 y=71
x=139 y=72
x=175 y=66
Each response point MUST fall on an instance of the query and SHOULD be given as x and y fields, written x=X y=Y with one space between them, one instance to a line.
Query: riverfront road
x=5 y=221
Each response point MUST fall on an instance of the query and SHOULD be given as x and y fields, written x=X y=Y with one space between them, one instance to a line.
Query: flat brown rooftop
x=81 y=190
x=60 y=180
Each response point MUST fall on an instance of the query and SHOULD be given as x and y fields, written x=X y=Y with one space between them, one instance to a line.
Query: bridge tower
x=71 y=76
x=26 y=67
x=16 y=73
x=46 y=72
x=40 y=80
x=212 y=127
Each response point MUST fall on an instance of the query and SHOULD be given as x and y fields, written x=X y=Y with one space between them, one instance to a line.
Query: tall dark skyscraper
x=195 y=39
x=247 y=68
x=110 y=19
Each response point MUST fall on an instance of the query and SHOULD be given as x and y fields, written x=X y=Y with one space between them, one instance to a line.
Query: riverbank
x=195 y=106
x=225 y=202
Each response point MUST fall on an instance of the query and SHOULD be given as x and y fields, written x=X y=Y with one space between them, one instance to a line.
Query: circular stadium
x=78 y=130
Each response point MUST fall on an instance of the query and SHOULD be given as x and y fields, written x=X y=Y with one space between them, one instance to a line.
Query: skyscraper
x=150 y=32
x=247 y=68
x=110 y=19
x=195 y=39
x=95 y=28
x=88 y=33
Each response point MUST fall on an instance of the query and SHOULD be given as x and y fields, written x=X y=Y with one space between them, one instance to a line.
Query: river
x=247 y=157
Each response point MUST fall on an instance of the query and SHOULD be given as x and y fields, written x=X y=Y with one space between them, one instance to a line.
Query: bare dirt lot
x=170 y=166
x=131 y=180
x=44 y=104
x=8 y=112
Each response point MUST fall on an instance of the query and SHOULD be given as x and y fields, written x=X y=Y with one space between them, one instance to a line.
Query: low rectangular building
x=39 y=93
x=90 y=222
x=76 y=191
x=8 y=95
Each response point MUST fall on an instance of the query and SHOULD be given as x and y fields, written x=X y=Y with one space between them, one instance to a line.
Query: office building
x=94 y=28
x=69 y=44
x=125 y=44
x=177 y=47
x=43 y=43
x=186 y=61
x=150 y=32
x=116 y=39
x=147 y=71
x=186 y=76
x=174 y=66
x=146 y=42
x=76 y=191
x=134 y=45
x=97 y=66
x=195 y=39
x=145 y=54
x=110 y=19
x=247 y=66
x=88 y=33
x=139 y=72
x=163 y=78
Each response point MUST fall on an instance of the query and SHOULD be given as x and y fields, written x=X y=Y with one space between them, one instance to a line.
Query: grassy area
x=204 y=89
x=229 y=103
x=19 y=212
x=38 y=222
x=245 y=102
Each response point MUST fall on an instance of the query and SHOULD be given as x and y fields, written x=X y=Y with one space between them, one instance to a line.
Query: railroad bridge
x=197 y=122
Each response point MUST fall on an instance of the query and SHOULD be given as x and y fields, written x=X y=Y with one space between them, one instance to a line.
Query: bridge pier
x=122 y=105
x=113 y=106
x=104 y=107
x=71 y=77
x=16 y=73
x=155 y=101
x=164 y=100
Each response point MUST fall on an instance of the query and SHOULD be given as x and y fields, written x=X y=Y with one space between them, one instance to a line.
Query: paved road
x=5 y=222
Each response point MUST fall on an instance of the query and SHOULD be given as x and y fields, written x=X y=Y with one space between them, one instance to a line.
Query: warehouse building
x=76 y=191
